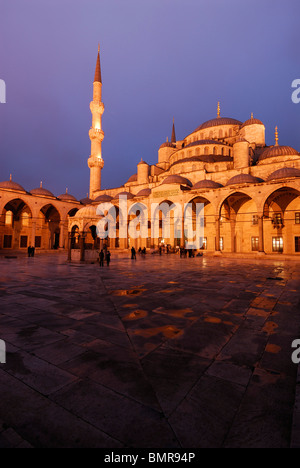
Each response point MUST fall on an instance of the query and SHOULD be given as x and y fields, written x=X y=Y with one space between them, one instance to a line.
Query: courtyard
x=157 y=352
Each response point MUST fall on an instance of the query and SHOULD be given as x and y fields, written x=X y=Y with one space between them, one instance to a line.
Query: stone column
x=261 y=234
x=217 y=234
x=69 y=246
x=82 y=237
x=33 y=232
x=232 y=229
x=61 y=235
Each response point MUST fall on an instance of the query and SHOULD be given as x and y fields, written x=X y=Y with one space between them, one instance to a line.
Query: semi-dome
x=10 y=185
x=206 y=184
x=103 y=198
x=144 y=192
x=86 y=212
x=41 y=192
x=217 y=122
x=284 y=172
x=207 y=158
x=204 y=142
x=124 y=194
x=275 y=151
x=177 y=179
x=67 y=197
x=244 y=179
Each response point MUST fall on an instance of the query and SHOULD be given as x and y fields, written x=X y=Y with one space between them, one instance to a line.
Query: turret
x=96 y=134
x=142 y=172
x=241 y=154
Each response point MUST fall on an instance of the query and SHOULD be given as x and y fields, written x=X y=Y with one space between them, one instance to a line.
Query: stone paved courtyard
x=161 y=352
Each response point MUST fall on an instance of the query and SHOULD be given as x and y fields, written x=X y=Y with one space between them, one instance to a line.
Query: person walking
x=133 y=253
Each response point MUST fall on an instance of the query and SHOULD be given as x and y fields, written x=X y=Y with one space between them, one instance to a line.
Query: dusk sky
x=159 y=59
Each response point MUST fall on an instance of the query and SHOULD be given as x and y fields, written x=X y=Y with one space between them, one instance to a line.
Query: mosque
x=250 y=193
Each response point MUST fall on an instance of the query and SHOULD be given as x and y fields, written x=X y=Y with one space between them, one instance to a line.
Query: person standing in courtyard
x=101 y=258
x=108 y=258
x=133 y=253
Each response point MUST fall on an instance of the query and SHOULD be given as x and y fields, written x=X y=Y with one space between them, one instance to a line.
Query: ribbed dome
x=144 y=192
x=10 y=185
x=177 y=179
x=86 y=212
x=41 y=192
x=284 y=172
x=275 y=151
x=127 y=194
x=132 y=178
x=218 y=121
x=207 y=184
x=103 y=198
x=252 y=121
x=244 y=179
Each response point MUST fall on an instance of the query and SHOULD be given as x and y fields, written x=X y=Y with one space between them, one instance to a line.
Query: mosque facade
x=250 y=193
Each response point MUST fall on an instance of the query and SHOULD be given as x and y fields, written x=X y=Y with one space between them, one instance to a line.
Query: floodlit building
x=250 y=193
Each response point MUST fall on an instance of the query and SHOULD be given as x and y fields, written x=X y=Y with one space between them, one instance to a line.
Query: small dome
x=284 y=172
x=86 y=212
x=166 y=144
x=142 y=162
x=103 y=198
x=218 y=121
x=207 y=184
x=244 y=179
x=274 y=151
x=42 y=192
x=177 y=179
x=86 y=201
x=132 y=178
x=10 y=185
x=67 y=197
x=252 y=121
x=144 y=192
x=124 y=194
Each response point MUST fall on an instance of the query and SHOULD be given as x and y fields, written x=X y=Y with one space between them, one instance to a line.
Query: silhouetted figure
x=29 y=251
x=108 y=257
x=101 y=258
x=32 y=251
x=159 y=250
x=144 y=251
x=133 y=253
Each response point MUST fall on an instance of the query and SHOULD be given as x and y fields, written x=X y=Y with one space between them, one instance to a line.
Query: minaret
x=96 y=134
x=173 y=136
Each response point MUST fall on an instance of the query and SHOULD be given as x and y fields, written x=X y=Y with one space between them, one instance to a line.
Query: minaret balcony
x=95 y=161
x=96 y=134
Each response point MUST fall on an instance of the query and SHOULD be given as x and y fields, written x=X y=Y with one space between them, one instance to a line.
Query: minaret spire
x=96 y=134
x=218 y=110
x=173 y=137
x=98 y=68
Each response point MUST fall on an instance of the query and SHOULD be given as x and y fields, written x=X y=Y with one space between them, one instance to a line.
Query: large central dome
x=218 y=121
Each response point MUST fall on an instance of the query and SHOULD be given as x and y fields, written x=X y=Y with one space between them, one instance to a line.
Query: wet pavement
x=158 y=352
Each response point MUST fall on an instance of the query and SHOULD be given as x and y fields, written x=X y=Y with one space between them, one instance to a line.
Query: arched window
x=25 y=219
x=230 y=132
x=9 y=218
x=220 y=133
x=215 y=150
x=206 y=150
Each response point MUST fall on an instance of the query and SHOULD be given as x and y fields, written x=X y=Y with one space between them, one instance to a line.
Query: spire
x=41 y=184
x=98 y=68
x=276 y=136
x=251 y=115
x=173 y=137
x=218 y=110
x=10 y=177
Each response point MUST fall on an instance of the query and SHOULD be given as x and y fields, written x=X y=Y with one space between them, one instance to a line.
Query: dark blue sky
x=159 y=59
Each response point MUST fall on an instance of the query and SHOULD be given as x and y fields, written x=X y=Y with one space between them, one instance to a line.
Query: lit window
x=8 y=218
x=277 y=244
x=297 y=218
x=254 y=219
x=254 y=243
x=221 y=243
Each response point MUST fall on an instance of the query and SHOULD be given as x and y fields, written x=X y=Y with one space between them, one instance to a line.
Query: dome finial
x=251 y=115
x=41 y=184
x=98 y=47
x=276 y=136
x=218 y=109
x=66 y=190
x=10 y=177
